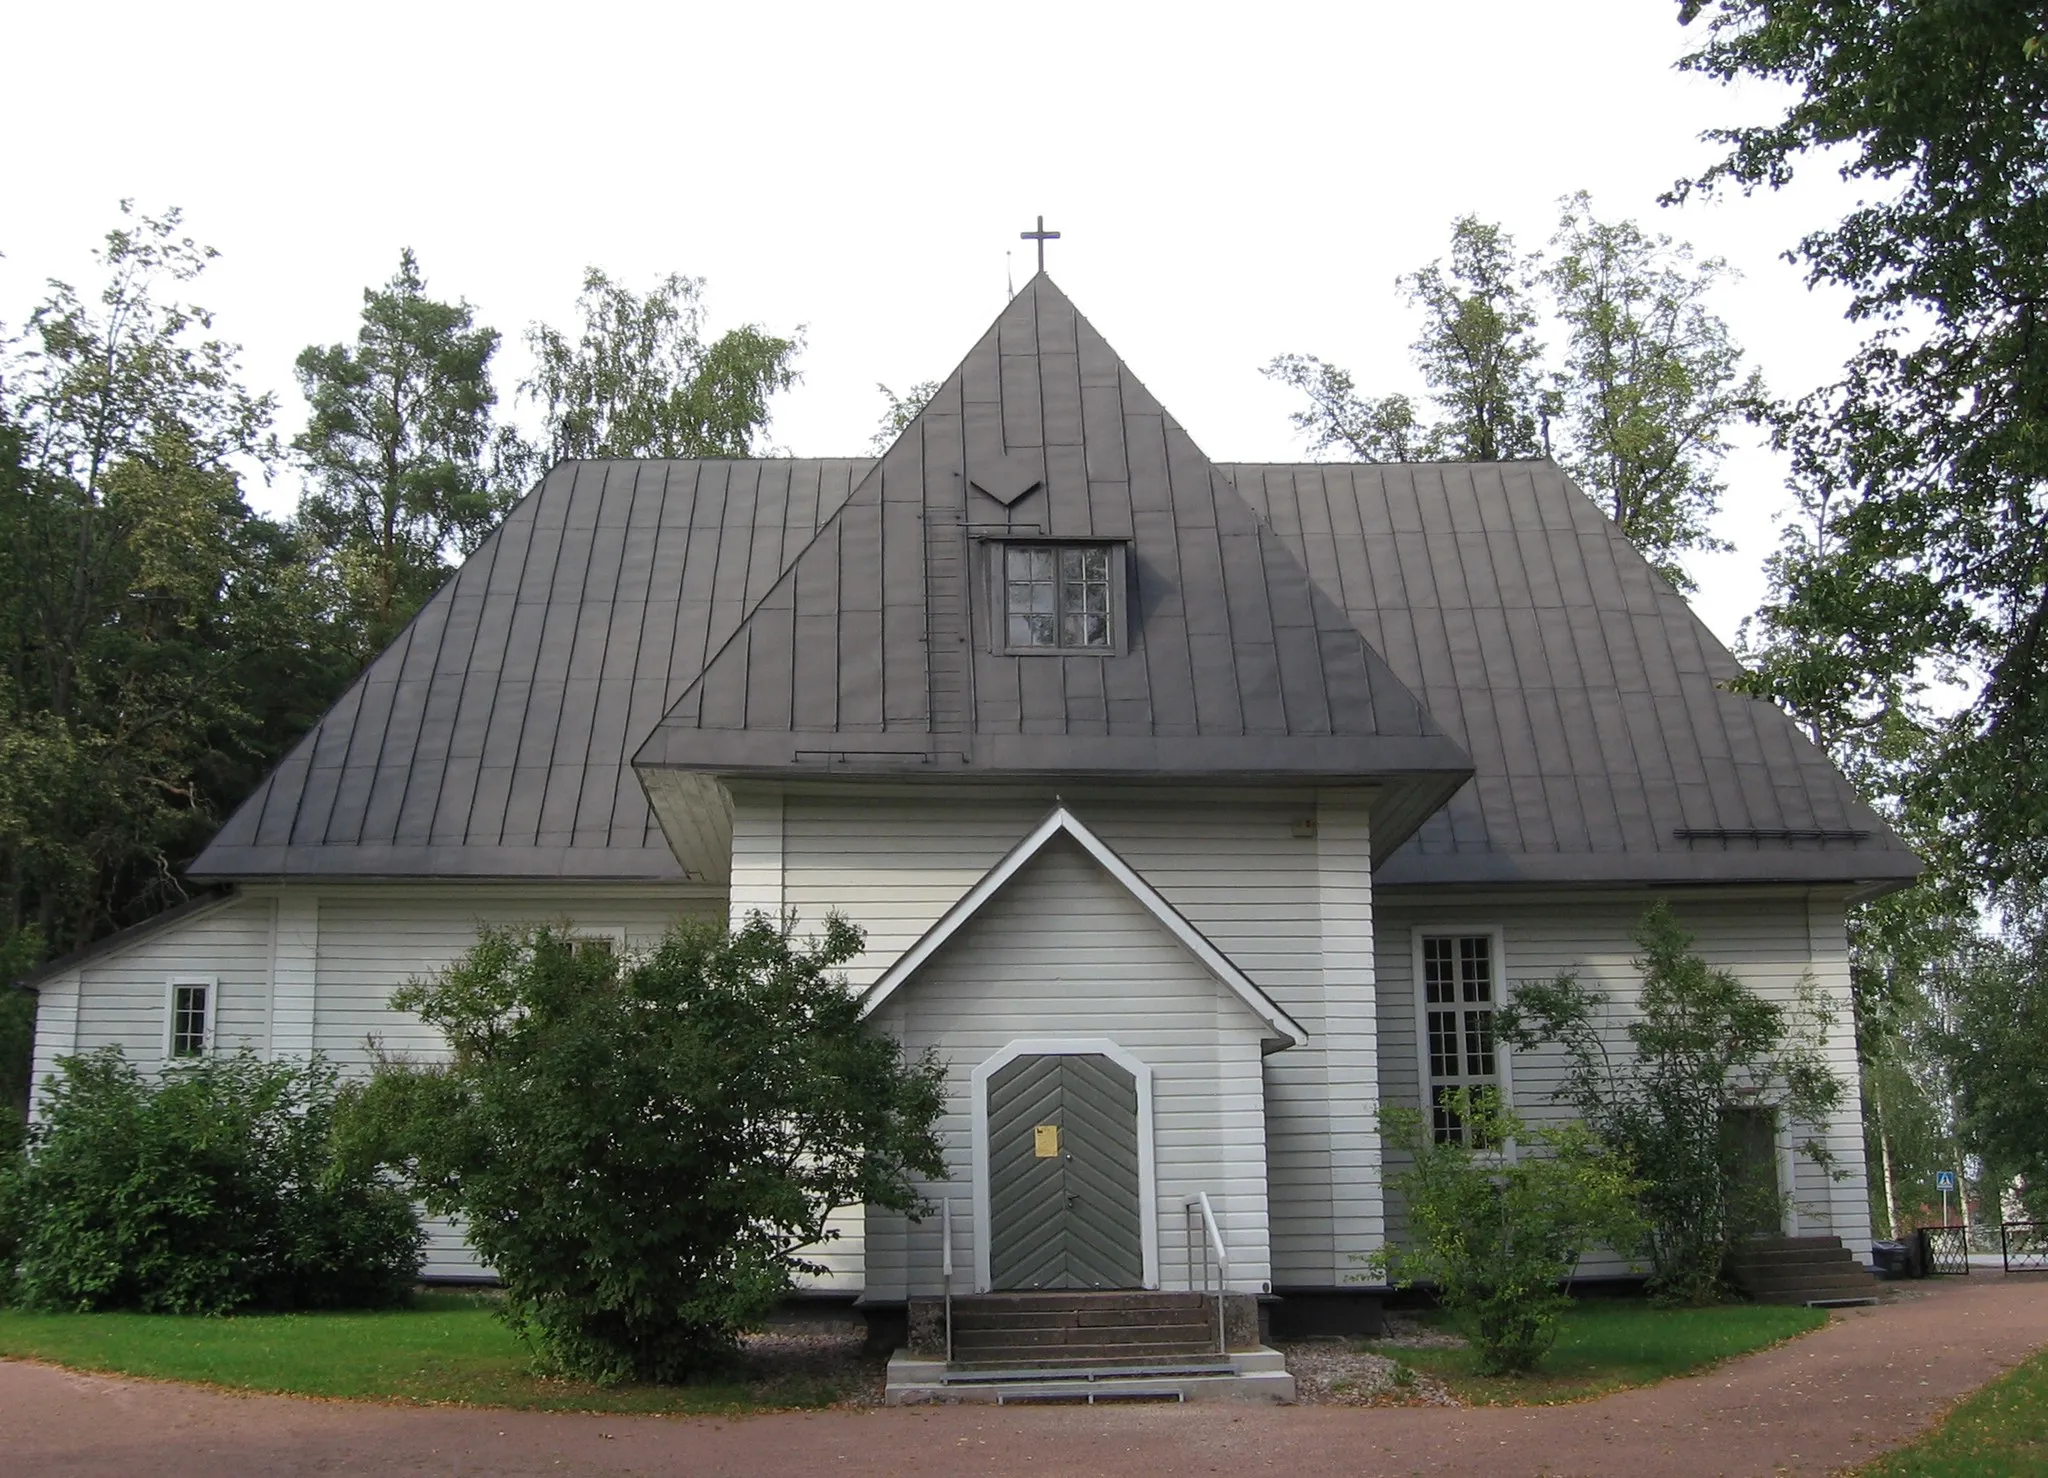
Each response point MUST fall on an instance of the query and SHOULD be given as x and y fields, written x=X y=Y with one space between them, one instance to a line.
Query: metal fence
x=2024 y=1245
x=1945 y=1249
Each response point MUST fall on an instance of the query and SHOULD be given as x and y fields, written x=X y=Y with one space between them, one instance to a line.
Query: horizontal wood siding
x=123 y=1003
x=1289 y=903
x=1771 y=941
x=1065 y=951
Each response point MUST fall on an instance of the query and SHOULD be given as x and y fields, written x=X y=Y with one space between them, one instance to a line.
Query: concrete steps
x=1081 y=1347
x=1801 y=1270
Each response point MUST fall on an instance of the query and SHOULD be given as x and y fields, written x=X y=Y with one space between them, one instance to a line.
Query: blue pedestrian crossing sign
x=1944 y=1180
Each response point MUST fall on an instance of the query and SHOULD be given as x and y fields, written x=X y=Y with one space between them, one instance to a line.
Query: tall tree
x=398 y=449
x=1373 y=429
x=158 y=643
x=901 y=411
x=1933 y=446
x=1650 y=383
x=1478 y=352
x=639 y=378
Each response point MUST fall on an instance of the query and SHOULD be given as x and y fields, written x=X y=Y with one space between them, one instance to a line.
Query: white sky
x=1233 y=181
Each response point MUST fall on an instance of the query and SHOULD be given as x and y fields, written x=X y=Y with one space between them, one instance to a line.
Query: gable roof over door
x=1285 y=1030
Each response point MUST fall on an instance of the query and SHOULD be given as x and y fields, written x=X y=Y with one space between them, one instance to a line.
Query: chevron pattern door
x=1063 y=1174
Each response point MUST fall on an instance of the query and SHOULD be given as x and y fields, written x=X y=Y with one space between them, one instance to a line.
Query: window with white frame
x=188 y=1027
x=1058 y=597
x=1459 y=992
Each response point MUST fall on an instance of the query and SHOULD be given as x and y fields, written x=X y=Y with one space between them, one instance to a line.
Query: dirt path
x=1869 y=1381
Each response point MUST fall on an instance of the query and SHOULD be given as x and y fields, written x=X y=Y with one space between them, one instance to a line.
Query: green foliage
x=215 y=1188
x=1478 y=351
x=1922 y=471
x=2001 y=1431
x=1606 y=1345
x=642 y=1147
x=1382 y=429
x=1642 y=400
x=902 y=410
x=639 y=378
x=399 y=448
x=1650 y=380
x=442 y=1349
x=1697 y=1051
x=159 y=644
x=1497 y=1231
x=1991 y=1036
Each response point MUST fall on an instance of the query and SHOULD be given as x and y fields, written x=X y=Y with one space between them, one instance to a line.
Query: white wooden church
x=1192 y=809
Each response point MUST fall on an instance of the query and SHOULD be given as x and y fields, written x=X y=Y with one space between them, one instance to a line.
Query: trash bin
x=1893 y=1259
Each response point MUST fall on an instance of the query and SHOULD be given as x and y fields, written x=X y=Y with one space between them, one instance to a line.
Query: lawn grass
x=2001 y=1432
x=447 y=1349
x=1605 y=1346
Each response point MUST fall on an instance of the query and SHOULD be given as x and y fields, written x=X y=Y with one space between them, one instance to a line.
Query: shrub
x=1498 y=1230
x=1698 y=1054
x=211 y=1189
x=641 y=1148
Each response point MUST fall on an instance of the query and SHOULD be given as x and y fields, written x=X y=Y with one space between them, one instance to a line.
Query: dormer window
x=1059 y=597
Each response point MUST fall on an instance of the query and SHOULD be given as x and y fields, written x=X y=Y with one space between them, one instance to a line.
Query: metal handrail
x=946 y=1267
x=1202 y=1228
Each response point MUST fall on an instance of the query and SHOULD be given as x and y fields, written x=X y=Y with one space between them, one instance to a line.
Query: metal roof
x=816 y=617
x=873 y=655
x=1589 y=695
x=491 y=738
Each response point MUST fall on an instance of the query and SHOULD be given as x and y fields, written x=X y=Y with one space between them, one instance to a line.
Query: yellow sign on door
x=1045 y=1141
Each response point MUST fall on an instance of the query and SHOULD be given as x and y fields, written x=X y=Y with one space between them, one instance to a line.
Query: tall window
x=189 y=1002
x=1458 y=1005
x=1057 y=596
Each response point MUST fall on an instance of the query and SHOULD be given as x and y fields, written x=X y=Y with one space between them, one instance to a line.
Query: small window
x=1458 y=1001
x=594 y=946
x=191 y=1024
x=1058 y=597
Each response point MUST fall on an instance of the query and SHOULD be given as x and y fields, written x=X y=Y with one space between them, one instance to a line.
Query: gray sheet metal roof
x=1586 y=690
x=873 y=654
x=494 y=737
x=491 y=738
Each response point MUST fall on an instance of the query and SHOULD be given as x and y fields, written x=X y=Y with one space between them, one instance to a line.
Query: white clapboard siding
x=1065 y=951
x=1772 y=941
x=1280 y=881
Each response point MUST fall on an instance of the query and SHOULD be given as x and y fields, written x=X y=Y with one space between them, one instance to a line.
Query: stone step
x=1079 y=1301
x=1086 y=1319
x=1064 y=1355
x=1848 y=1273
x=1091 y=1367
x=1792 y=1257
x=1253 y=1375
x=1120 y=1334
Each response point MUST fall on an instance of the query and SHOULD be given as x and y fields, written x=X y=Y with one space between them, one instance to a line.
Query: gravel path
x=1871 y=1380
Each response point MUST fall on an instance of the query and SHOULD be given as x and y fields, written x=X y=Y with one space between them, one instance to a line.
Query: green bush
x=211 y=1189
x=642 y=1148
x=1668 y=1083
x=1497 y=1221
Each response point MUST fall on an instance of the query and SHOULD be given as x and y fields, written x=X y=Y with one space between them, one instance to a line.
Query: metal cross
x=1041 y=236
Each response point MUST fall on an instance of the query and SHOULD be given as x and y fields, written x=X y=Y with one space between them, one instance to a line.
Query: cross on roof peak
x=1041 y=236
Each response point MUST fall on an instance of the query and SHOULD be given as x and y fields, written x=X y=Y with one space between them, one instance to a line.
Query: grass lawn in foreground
x=448 y=1348
x=1609 y=1345
x=2001 y=1432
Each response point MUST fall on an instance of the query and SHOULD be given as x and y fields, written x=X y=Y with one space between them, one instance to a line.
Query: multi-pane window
x=188 y=1019
x=1458 y=1005
x=1057 y=596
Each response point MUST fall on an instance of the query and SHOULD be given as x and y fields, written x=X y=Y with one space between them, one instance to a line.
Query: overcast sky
x=1232 y=182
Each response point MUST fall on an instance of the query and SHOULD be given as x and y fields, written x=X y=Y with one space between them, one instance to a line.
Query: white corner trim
x=1061 y=820
x=1148 y=1188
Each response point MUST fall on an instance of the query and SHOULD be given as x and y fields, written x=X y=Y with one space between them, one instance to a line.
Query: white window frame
x=212 y=985
x=1503 y=1059
x=615 y=936
x=995 y=557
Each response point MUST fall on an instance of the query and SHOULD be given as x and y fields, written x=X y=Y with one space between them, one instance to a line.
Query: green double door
x=1063 y=1174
